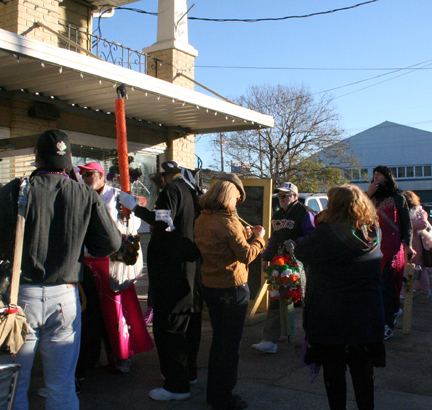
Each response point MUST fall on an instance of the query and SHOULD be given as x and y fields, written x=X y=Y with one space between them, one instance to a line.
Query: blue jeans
x=54 y=316
x=227 y=309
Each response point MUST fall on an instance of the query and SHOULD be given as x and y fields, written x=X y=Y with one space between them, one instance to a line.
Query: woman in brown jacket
x=222 y=241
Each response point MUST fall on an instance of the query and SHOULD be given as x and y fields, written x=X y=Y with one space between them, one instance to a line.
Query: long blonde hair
x=222 y=195
x=348 y=205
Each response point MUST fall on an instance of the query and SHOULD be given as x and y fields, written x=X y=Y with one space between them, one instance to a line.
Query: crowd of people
x=354 y=254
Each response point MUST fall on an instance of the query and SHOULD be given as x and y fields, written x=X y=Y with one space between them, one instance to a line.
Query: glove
x=127 y=200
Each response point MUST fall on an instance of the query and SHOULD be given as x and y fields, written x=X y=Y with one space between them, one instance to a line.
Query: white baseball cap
x=287 y=186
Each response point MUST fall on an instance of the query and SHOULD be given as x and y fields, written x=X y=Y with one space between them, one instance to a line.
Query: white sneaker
x=388 y=333
x=123 y=366
x=397 y=315
x=265 y=346
x=163 y=395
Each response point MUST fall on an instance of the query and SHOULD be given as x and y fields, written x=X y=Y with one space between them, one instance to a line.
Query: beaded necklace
x=53 y=172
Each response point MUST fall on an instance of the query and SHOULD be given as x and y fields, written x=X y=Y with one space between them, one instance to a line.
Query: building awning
x=34 y=67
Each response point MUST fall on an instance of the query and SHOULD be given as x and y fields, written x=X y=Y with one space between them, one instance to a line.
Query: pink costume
x=391 y=245
x=122 y=312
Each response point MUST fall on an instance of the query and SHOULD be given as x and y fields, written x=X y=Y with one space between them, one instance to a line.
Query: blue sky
x=386 y=34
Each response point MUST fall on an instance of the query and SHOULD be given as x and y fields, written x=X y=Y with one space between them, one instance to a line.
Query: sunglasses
x=89 y=174
x=285 y=195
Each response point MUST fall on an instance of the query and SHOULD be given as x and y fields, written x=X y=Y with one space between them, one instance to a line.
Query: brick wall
x=19 y=17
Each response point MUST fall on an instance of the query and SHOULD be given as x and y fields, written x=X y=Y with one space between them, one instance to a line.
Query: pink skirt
x=124 y=319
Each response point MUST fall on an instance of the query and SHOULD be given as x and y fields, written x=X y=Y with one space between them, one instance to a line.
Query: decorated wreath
x=285 y=276
x=134 y=173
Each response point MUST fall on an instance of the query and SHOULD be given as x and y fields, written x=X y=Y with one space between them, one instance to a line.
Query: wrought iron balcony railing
x=108 y=50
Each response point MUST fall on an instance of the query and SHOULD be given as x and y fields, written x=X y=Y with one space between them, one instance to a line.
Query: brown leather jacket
x=221 y=239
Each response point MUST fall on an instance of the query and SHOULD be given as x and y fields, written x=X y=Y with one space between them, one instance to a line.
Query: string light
x=60 y=70
x=43 y=65
x=82 y=75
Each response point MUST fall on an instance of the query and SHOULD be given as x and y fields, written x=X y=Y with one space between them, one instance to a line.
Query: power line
x=303 y=68
x=257 y=20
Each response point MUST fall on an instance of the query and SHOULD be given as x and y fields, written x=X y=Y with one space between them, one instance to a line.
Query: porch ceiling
x=79 y=80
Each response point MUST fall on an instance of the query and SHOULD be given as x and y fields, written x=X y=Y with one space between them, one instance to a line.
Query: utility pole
x=221 y=142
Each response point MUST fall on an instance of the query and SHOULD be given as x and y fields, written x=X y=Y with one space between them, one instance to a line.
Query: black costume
x=176 y=327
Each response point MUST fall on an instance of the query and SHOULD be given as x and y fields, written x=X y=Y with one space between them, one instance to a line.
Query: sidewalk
x=269 y=381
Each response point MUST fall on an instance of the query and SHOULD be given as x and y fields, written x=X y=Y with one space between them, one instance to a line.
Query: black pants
x=177 y=337
x=227 y=309
x=361 y=369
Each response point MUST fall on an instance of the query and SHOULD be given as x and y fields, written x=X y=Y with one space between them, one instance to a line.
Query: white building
x=407 y=151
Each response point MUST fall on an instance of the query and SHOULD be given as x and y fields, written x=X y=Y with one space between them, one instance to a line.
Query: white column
x=172 y=29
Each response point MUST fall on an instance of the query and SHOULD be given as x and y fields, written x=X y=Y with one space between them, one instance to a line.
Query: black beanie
x=54 y=149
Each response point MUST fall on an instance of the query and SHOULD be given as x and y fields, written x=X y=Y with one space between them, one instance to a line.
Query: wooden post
x=407 y=311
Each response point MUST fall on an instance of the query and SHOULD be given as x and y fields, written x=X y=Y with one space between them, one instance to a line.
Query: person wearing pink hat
x=126 y=327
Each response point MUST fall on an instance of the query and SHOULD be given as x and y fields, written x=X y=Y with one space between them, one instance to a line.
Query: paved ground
x=268 y=381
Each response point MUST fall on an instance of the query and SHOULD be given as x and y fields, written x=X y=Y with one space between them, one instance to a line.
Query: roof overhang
x=79 y=80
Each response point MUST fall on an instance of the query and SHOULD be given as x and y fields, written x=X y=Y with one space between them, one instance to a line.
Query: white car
x=317 y=202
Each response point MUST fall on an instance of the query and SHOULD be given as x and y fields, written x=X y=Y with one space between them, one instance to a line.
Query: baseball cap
x=54 y=148
x=287 y=186
x=90 y=167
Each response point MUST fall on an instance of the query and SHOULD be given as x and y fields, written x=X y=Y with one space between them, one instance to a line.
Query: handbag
x=13 y=325
x=123 y=273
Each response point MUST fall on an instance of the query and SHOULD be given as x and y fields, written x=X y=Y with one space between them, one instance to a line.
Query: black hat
x=237 y=182
x=54 y=149
x=170 y=167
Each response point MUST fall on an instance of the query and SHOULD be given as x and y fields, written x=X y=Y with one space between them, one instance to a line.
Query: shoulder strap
x=19 y=239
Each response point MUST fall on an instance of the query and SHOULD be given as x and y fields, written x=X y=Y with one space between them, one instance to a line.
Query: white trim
x=106 y=71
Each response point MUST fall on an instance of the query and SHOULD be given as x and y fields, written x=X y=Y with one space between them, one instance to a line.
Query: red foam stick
x=122 y=149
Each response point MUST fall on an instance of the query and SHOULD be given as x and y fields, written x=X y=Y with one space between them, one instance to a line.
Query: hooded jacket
x=343 y=303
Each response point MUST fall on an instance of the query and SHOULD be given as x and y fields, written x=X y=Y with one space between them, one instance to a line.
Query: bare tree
x=304 y=145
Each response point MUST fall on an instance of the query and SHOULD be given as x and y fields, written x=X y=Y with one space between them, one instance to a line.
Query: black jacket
x=62 y=216
x=171 y=274
x=343 y=302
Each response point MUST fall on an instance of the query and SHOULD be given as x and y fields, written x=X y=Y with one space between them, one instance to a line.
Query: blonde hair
x=412 y=198
x=222 y=195
x=348 y=205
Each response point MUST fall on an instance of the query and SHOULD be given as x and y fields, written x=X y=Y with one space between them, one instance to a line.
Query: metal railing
x=106 y=50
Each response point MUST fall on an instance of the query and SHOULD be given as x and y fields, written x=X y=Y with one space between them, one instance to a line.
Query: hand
x=127 y=200
x=259 y=231
x=264 y=265
x=410 y=253
x=372 y=189
x=248 y=230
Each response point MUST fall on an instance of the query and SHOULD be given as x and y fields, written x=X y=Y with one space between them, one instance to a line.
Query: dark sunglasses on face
x=89 y=174
x=285 y=195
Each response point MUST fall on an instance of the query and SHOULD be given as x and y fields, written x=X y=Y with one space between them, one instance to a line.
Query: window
x=418 y=171
x=323 y=202
x=401 y=172
x=313 y=204
x=427 y=171
x=409 y=172
x=356 y=174
x=393 y=171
